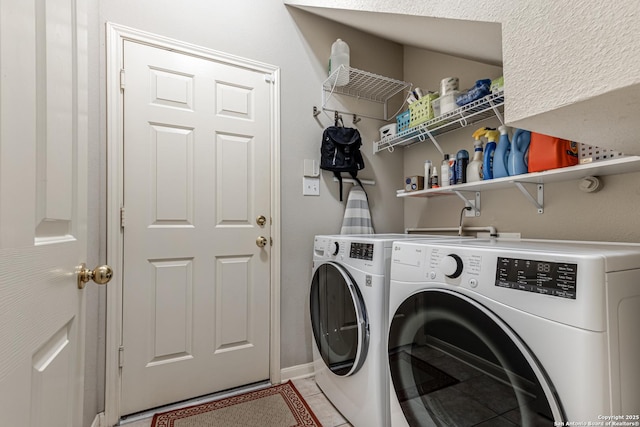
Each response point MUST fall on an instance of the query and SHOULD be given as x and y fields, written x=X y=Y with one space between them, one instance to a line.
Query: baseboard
x=296 y=372
x=98 y=421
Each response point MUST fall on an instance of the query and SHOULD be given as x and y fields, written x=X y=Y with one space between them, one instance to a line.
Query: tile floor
x=319 y=404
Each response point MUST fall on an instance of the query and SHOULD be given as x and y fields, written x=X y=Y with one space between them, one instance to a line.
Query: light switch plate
x=310 y=186
x=311 y=168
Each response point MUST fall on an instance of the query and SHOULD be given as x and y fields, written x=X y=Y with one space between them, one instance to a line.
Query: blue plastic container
x=517 y=162
x=501 y=154
x=403 y=120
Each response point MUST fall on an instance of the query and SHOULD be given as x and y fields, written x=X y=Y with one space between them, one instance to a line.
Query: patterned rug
x=276 y=406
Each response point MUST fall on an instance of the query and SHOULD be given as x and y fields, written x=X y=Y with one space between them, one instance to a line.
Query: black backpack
x=340 y=152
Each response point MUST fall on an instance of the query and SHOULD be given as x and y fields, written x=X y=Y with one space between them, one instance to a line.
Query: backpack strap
x=339 y=177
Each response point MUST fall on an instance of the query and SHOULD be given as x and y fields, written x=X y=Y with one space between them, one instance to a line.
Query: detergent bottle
x=517 y=162
x=501 y=154
x=489 y=150
x=474 y=169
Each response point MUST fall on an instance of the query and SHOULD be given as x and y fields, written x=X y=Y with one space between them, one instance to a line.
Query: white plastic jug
x=339 y=56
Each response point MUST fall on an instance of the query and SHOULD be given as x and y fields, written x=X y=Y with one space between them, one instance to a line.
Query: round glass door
x=338 y=319
x=454 y=363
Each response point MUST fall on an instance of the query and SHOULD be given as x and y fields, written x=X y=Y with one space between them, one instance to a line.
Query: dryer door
x=338 y=319
x=453 y=362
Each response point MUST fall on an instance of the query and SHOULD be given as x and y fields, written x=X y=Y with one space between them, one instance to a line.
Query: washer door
x=455 y=363
x=338 y=319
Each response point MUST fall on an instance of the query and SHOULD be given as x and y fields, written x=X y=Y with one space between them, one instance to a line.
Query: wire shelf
x=491 y=105
x=362 y=85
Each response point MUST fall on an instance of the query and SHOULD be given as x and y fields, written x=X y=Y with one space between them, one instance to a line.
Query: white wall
x=298 y=43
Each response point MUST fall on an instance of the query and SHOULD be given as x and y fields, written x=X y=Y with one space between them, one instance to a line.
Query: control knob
x=334 y=248
x=451 y=266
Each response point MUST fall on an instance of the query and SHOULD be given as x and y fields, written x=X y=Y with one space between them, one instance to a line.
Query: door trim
x=115 y=37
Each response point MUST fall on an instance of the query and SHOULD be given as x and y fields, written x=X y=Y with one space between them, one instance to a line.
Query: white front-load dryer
x=530 y=332
x=349 y=318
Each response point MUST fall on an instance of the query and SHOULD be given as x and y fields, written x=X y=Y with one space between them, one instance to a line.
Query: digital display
x=549 y=278
x=361 y=251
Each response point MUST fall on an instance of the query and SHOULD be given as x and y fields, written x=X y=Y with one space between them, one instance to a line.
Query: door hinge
x=122 y=79
x=120 y=356
x=122 y=218
x=268 y=78
x=270 y=241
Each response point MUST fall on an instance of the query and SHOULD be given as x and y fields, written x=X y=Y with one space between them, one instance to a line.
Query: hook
x=356 y=119
x=316 y=112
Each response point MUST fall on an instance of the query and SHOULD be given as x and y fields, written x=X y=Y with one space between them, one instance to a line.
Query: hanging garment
x=357 y=218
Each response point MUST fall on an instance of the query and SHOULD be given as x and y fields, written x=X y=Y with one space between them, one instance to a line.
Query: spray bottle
x=474 y=169
x=489 y=150
x=433 y=181
x=501 y=154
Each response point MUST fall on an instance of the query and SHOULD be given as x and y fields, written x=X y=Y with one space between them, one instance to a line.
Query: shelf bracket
x=435 y=143
x=537 y=202
x=496 y=111
x=474 y=204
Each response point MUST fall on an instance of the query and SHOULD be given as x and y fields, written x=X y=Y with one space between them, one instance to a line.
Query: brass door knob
x=100 y=275
x=261 y=220
x=261 y=241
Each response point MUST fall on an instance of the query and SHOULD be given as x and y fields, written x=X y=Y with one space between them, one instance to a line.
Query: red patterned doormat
x=276 y=406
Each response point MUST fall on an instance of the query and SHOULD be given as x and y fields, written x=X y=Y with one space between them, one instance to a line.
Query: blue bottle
x=518 y=156
x=489 y=150
x=501 y=154
x=462 y=160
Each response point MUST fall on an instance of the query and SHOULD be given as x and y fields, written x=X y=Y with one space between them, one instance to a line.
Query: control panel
x=543 y=277
x=361 y=251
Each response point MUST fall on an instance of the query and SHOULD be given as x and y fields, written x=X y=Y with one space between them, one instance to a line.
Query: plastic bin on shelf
x=403 y=119
x=422 y=110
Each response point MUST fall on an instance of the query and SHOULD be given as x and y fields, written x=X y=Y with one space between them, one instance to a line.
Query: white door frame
x=115 y=37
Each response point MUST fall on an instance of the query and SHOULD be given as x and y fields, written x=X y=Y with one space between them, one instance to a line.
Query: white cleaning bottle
x=339 y=57
x=474 y=169
x=427 y=173
x=444 y=172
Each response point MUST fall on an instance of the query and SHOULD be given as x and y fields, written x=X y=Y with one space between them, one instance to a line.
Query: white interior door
x=43 y=185
x=196 y=286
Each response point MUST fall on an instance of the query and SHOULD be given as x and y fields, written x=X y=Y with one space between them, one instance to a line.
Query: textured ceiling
x=474 y=40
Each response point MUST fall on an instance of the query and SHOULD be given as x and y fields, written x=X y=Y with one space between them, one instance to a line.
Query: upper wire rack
x=364 y=85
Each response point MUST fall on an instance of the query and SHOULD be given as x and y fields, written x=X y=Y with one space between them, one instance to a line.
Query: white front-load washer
x=530 y=332
x=349 y=318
